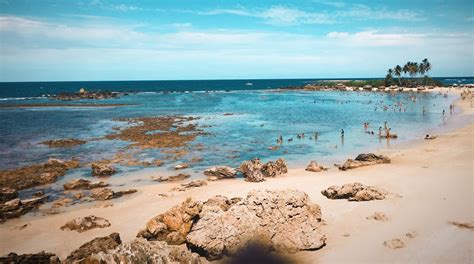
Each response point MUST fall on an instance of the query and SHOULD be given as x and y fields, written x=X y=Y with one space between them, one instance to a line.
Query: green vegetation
x=412 y=74
x=354 y=83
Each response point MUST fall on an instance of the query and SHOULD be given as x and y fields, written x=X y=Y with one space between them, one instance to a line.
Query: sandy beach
x=432 y=181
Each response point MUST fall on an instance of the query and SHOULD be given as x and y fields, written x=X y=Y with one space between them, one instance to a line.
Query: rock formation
x=221 y=172
x=107 y=194
x=314 y=167
x=142 y=251
x=70 y=142
x=41 y=257
x=364 y=160
x=83 y=184
x=173 y=225
x=16 y=207
x=82 y=224
x=96 y=245
x=178 y=177
x=102 y=169
x=192 y=184
x=355 y=192
x=7 y=194
x=254 y=171
x=181 y=166
x=283 y=220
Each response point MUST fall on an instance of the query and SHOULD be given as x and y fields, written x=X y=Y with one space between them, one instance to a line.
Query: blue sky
x=152 y=40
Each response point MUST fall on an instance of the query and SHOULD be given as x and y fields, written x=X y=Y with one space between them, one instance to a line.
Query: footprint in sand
x=394 y=243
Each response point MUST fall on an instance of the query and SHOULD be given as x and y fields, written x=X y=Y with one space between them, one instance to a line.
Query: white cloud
x=374 y=38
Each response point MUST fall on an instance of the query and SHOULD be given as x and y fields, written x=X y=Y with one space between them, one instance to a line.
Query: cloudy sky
x=43 y=40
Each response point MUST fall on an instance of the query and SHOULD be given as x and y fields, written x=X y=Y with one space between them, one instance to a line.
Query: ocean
x=241 y=122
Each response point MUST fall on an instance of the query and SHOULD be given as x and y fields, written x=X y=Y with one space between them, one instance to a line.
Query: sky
x=43 y=40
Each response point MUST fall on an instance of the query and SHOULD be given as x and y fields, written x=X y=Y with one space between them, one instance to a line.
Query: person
x=451 y=109
x=424 y=110
x=443 y=112
x=388 y=132
x=342 y=133
x=385 y=125
x=380 y=131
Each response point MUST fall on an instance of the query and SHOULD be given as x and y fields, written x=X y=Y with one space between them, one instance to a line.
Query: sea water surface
x=241 y=125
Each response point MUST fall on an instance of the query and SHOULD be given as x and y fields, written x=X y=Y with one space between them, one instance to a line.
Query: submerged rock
x=82 y=224
x=364 y=160
x=36 y=174
x=7 y=194
x=314 y=167
x=173 y=225
x=83 y=184
x=140 y=250
x=70 y=142
x=221 y=172
x=284 y=220
x=41 y=258
x=355 y=192
x=102 y=169
x=96 y=245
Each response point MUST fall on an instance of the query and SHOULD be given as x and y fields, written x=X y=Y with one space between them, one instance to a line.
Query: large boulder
x=364 y=160
x=355 y=192
x=140 y=250
x=272 y=169
x=102 y=169
x=284 y=220
x=96 y=245
x=41 y=257
x=173 y=225
x=16 y=207
x=82 y=224
x=221 y=172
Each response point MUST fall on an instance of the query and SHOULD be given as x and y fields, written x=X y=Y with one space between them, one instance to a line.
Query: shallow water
x=258 y=119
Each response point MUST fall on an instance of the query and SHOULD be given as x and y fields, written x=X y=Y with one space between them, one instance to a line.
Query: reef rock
x=221 y=172
x=314 y=167
x=7 y=194
x=70 y=142
x=178 y=177
x=173 y=225
x=364 y=160
x=107 y=194
x=140 y=250
x=96 y=245
x=82 y=224
x=83 y=184
x=355 y=192
x=41 y=257
x=102 y=169
x=284 y=220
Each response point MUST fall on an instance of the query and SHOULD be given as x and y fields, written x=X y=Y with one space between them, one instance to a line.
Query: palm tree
x=406 y=69
x=426 y=66
x=398 y=72
x=389 y=77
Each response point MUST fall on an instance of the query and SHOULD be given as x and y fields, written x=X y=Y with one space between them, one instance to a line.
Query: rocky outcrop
x=16 y=207
x=314 y=167
x=192 y=184
x=221 y=172
x=102 y=169
x=36 y=174
x=364 y=160
x=254 y=171
x=173 y=225
x=355 y=192
x=83 y=94
x=107 y=194
x=181 y=166
x=284 y=220
x=70 y=142
x=7 y=194
x=41 y=258
x=142 y=251
x=272 y=169
x=96 y=245
x=83 y=184
x=179 y=177
x=82 y=224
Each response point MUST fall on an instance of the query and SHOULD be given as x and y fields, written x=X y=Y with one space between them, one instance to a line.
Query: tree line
x=411 y=74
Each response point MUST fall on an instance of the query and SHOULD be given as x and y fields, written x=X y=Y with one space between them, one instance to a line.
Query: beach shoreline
x=441 y=177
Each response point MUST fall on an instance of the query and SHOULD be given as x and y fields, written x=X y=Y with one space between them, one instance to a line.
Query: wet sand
x=434 y=179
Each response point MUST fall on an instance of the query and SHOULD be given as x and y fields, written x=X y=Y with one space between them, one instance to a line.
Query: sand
x=433 y=178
